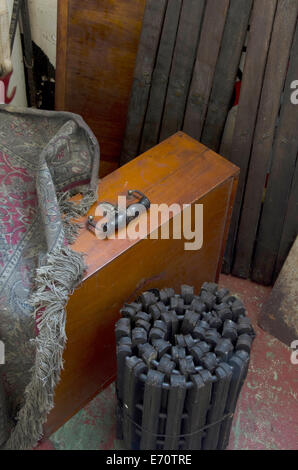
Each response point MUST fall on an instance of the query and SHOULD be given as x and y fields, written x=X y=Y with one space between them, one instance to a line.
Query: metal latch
x=118 y=218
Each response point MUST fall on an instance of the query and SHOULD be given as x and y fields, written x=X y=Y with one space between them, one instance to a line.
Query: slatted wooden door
x=189 y=57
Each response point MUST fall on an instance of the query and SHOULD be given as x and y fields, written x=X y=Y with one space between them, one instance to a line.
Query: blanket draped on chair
x=45 y=157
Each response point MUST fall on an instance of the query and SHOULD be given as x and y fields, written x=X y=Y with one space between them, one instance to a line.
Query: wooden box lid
x=179 y=170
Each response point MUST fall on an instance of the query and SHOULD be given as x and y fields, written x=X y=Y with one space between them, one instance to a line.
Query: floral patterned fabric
x=42 y=154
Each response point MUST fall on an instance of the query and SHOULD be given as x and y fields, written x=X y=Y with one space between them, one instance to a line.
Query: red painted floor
x=267 y=411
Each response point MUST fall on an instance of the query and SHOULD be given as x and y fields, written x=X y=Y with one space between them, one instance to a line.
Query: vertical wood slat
x=280 y=180
x=257 y=51
x=182 y=67
x=239 y=363
x=197 y=403
x=161 y=76
x=133 y=367
x=122 y=352
x=220 y=392
x=176 y=399
x=276 y=69
x=151 y=409
x=208 y=50
x=226 y=71
x=145 y=61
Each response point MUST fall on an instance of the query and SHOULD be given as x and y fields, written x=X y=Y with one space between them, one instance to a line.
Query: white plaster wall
x=18 y=78
x=43 y=19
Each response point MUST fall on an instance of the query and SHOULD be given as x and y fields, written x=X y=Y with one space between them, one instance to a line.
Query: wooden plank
x=96 y=52
x=239 y=364
x=226 y=71
x=276 y=70
x=220 y=391
x=146 y=56
x=122 y=351
x=257 y=51
x=151 y=409
x=197 y=403
x=280 y=179
x=132 y=395
x=182 y=67
x=129 y=392
x=290 y=226
x=209 y=45
x=175 y=409
x=161 y=76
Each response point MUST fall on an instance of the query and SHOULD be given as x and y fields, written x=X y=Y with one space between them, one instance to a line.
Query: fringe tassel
x=53 y=284
x=72 y=210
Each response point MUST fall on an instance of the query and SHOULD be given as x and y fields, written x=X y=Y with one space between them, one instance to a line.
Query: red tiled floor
x=267 y=411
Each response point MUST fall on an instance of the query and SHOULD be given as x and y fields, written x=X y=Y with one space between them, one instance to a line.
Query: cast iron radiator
x=182 y=360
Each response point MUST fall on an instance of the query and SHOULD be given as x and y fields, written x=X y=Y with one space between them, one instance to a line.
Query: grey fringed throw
x=45 y=157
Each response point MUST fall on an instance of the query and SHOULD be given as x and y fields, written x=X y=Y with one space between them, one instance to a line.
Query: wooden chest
x=179 y=170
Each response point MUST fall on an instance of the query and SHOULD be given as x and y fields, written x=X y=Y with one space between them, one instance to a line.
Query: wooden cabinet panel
x=96 y=50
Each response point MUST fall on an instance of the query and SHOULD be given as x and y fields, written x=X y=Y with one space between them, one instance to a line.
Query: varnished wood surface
x=179 y=170
x=96 y=49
